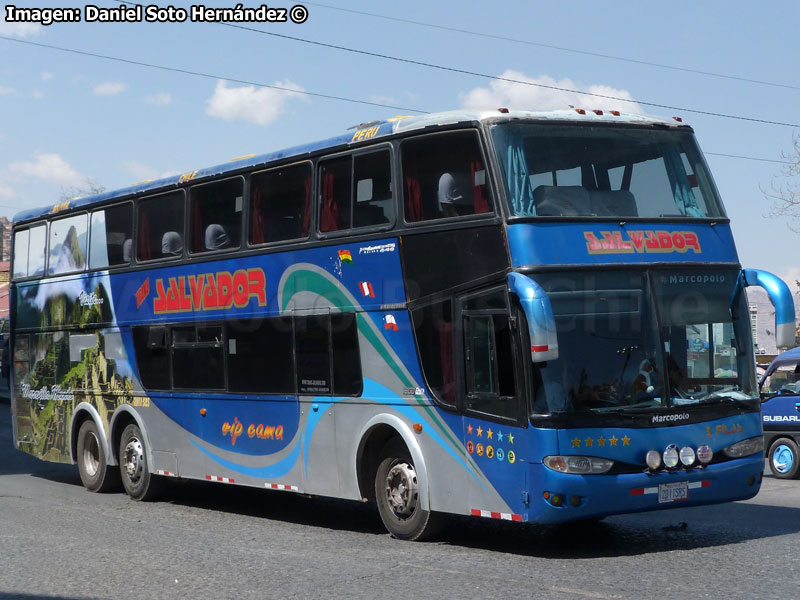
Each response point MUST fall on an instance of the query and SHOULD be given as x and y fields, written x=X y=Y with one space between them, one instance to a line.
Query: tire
x=137 y=479
x=784 y=458
x=92 y=463
x=397 y=495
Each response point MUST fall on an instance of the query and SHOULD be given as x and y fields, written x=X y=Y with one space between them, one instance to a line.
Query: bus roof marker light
x=704 y=454
x=580 y=111
x=678 y=119
x=687 y=456
x=653 y=460
x=503 y=110
x=616 y=113
x=671 y=458
x=598 y=112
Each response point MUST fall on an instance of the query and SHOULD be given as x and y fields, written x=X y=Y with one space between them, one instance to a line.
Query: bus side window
x=21 y=239
x=356 y=191
x=433 y=327
x=152 y=357
x=160 y=222
x=68 y=240
x=111 y=237
x=280 y=204
x=197 y=357
x=444 y=176
x=489 y=357
x=215 y=215
x=22 y=358
x=260 y=356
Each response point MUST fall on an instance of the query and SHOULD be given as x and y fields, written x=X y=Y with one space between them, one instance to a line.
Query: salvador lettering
x=639 y=242
x=210 y=291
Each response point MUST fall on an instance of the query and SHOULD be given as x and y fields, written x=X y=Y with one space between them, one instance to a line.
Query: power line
x=208 y=75
x=290 y=90
x=499 y=78
x=553 y=47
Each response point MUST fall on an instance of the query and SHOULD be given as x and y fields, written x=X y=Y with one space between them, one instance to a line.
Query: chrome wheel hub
x=91 y=455
x=402 y=491
x=134 y=460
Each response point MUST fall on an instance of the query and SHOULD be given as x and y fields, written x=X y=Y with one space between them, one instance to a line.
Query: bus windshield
x=644 y=340
x=580 y=171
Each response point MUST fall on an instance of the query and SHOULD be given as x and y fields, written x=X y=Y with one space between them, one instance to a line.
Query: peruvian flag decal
x=389 y=323
x=366 y=289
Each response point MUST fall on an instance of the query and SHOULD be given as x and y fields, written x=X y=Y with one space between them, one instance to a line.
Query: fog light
x=704 y=454
x=575 y=500
x=671 y=456
x=557 y=500
x=687 y=456
x=653 y=459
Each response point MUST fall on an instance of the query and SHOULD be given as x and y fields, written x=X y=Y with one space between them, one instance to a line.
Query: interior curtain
x=481 y=202
x=330 y=211
x=679 y=182
x=144 y=237
x=307 y=208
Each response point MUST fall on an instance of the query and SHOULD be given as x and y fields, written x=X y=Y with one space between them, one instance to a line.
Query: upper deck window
x=444 y=176
x=215 y=215
x=356 y=191
x=160 y=233
x=68 y=241
x=280 y=204
x=111 y=237
x=581 y=171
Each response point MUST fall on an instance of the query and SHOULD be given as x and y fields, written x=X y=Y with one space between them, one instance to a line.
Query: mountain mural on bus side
x=55 y=385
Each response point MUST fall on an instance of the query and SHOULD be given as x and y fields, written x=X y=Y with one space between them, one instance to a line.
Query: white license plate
x=673 y=492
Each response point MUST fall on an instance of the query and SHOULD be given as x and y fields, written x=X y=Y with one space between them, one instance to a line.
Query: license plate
x=673 y=492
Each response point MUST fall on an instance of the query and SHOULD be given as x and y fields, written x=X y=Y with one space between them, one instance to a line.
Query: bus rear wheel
x=784 y=458
x=137 y=479
x=92 y=463
x=397 y=495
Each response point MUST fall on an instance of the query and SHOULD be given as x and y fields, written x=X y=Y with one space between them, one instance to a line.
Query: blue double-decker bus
x=530 y=316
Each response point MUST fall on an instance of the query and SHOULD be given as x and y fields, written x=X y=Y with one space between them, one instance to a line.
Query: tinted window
x=433 y=326
x=346 y=357
x=280 y=204
x=111 y=237
x=312 y=351
x=152 y=356
x=197 y=359
x=356 y=191
x=21 y=253
x=68 y=241
x=444 y=176
x=160 y=232
x=261 y=356
x=215 y=215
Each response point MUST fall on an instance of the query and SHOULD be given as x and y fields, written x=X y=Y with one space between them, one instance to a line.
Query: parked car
x=780 y=410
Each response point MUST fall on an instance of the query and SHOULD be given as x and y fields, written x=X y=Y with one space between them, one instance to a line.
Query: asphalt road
x=216 y=541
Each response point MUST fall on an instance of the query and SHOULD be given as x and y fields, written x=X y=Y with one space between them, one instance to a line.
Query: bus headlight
x=579 y=465
x=653 y=459
x=671 y=456
x=687 y=456
x=705 y=454
x=745 y=447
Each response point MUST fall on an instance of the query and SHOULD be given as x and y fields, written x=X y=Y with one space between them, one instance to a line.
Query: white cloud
x=6 y=193
x=20 y=30
x=139 y=171
x=7 y=91
x=544 y=94
x=257 y=105
x=160 y=99
x=110 y=88
x=48 y=167
x=37 y=95
x=46 y=76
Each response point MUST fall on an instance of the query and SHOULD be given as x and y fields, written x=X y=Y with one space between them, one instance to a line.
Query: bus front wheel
x=92 y=464
x=397 y=495
x=784 y=458
x=137 y=479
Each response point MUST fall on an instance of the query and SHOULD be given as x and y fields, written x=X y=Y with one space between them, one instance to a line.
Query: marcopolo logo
x=671 y=418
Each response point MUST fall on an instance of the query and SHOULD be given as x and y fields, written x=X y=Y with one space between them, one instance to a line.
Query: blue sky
x=66 y=117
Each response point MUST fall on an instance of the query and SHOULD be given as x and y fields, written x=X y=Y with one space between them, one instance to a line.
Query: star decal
x=613 y=440
x=576 y=443
x=626 y=441
x=489 y=434
x=510 y=439
x=601 y=441
x=499 y=436
x=480 y=431
x=469 y=429
x=589 y=441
